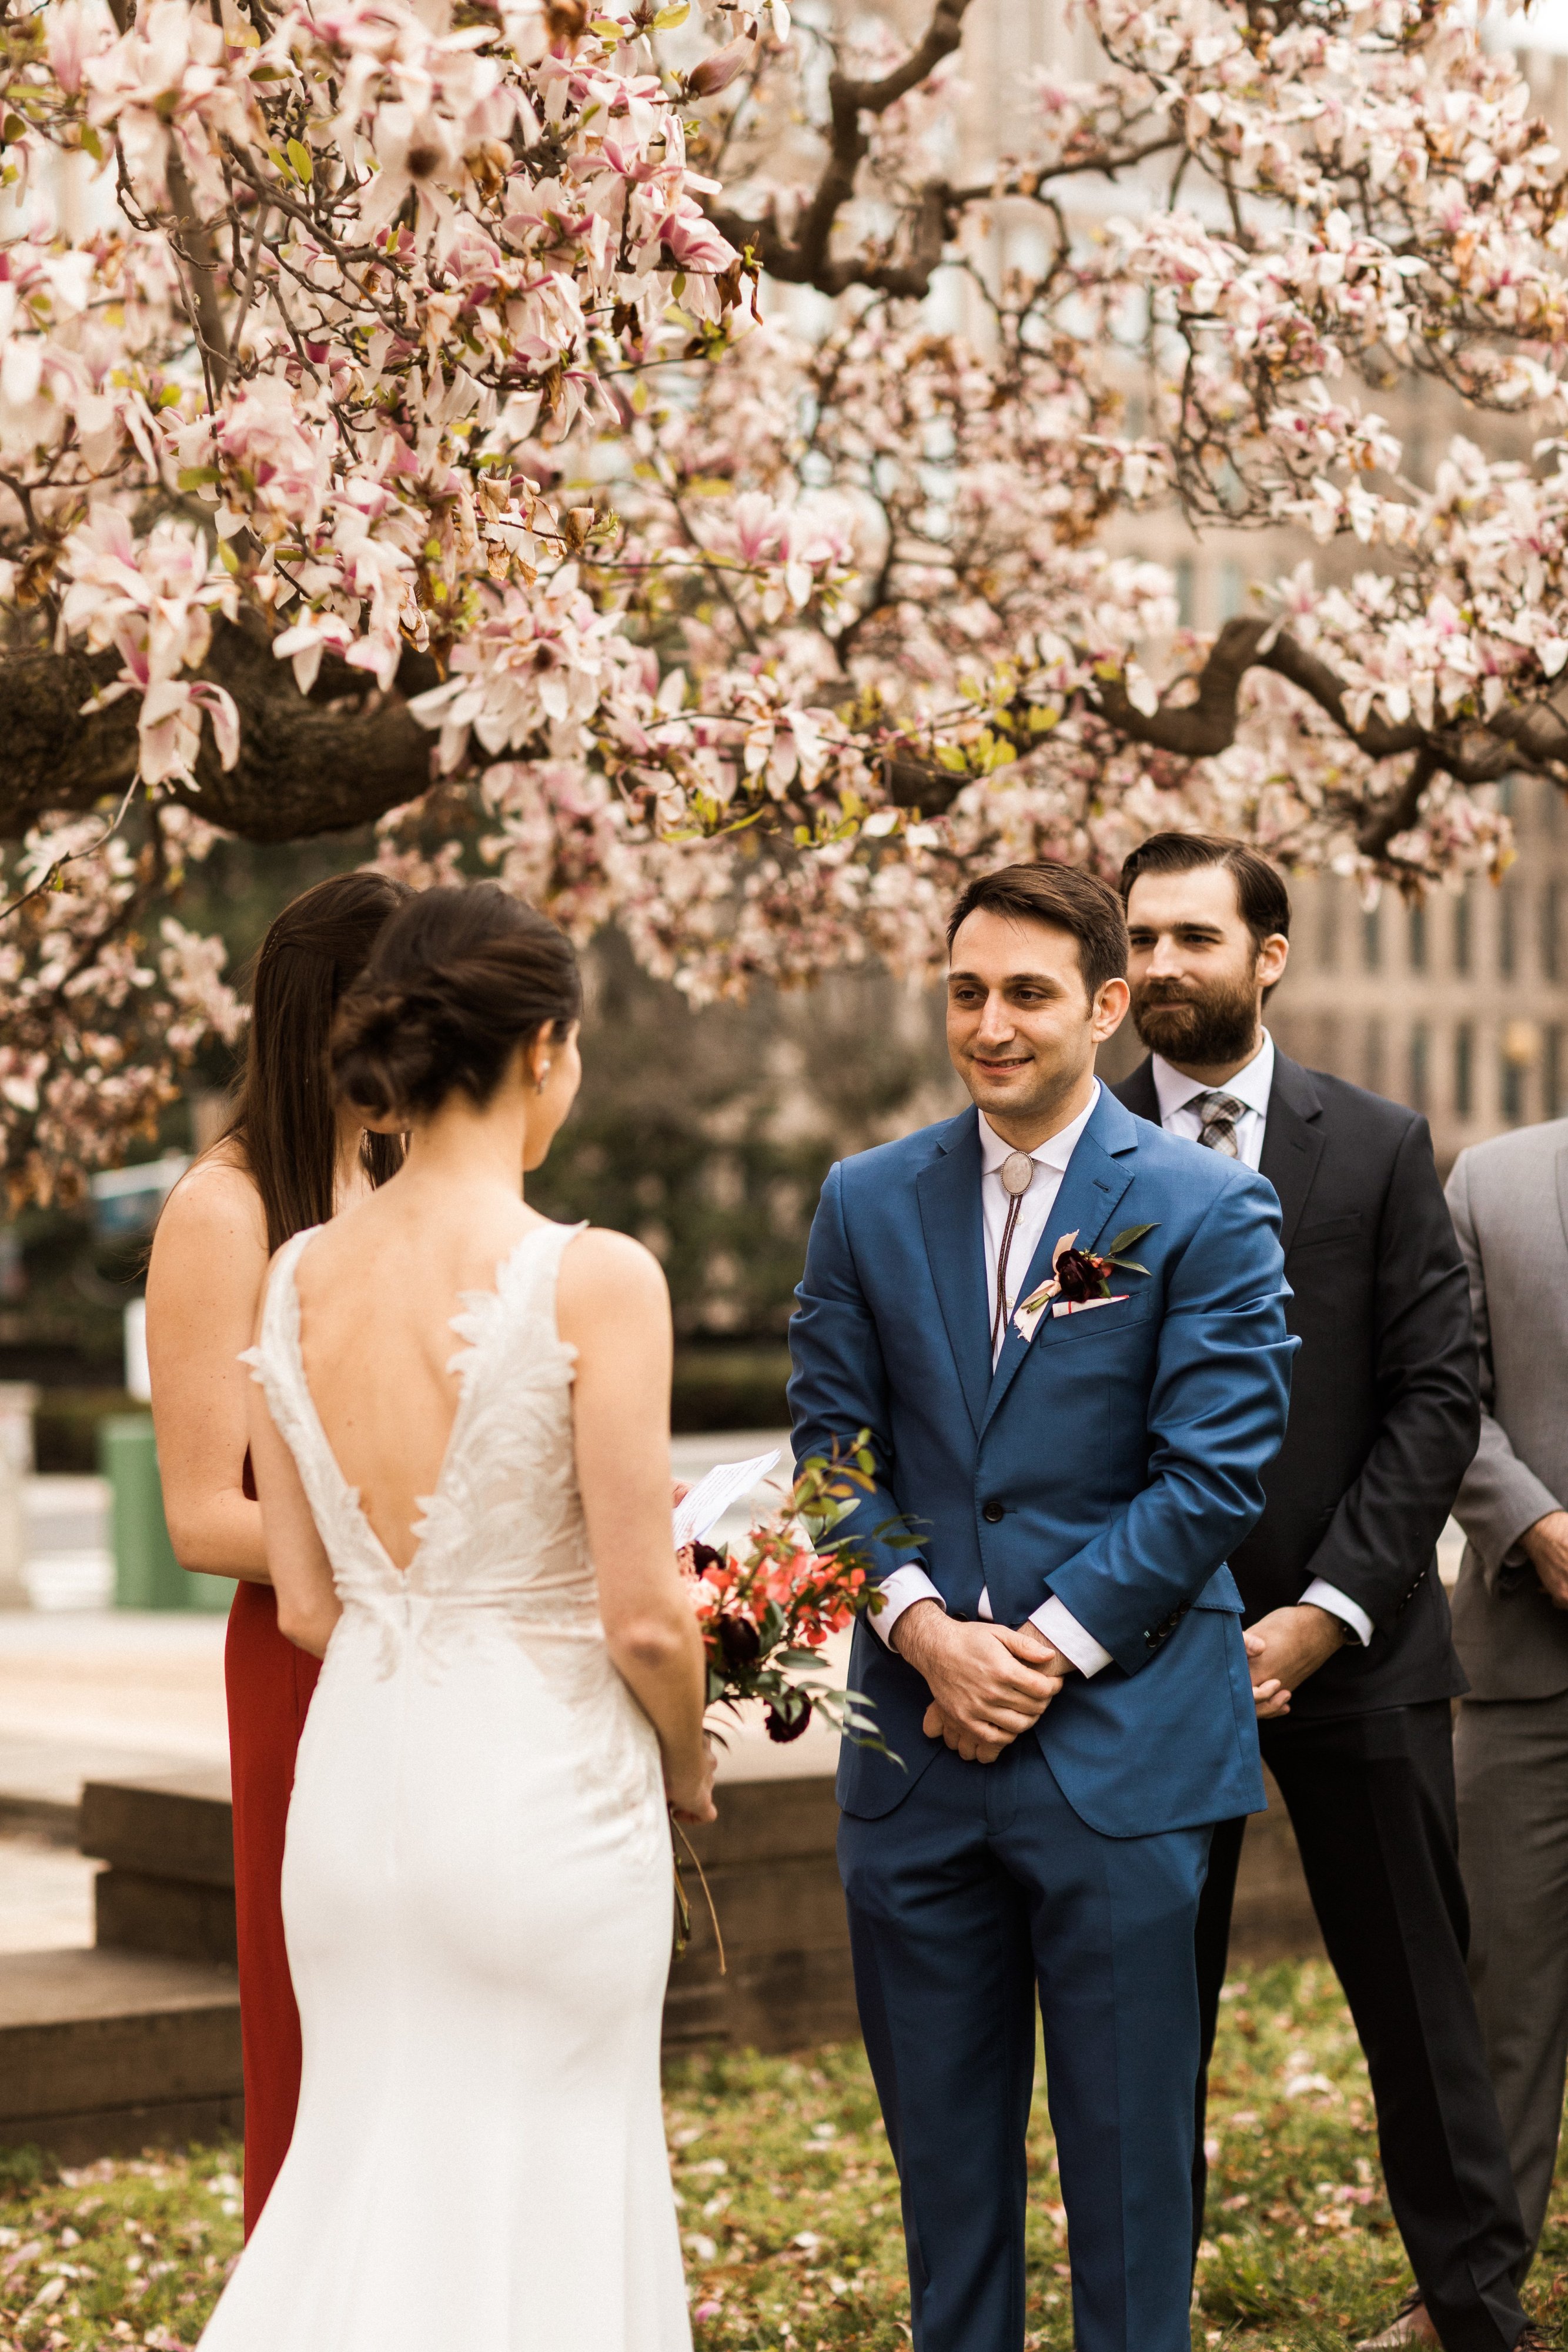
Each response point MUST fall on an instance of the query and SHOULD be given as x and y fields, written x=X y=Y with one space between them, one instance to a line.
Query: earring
x=540 y=1081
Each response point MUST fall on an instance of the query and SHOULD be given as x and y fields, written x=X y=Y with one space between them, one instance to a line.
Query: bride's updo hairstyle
x=457 y=982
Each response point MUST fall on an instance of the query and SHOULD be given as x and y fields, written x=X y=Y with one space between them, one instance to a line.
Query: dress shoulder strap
x=523 y=1295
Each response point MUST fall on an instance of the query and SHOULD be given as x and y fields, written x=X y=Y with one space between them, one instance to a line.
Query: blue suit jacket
x=1125 y=1448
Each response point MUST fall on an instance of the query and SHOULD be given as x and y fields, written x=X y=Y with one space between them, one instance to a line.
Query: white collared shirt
x=1034 y=1207
x=1178 y=1098
x=1181 y=1096
x=910 y=1583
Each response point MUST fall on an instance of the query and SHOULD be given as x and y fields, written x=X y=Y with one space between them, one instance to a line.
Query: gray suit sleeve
x=1499 y=1498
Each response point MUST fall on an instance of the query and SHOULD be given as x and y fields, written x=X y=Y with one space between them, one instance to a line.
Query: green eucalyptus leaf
x=1125 y=1239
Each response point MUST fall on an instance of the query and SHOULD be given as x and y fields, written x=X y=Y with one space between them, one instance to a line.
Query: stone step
x=137 y=2039
x=105 y=2052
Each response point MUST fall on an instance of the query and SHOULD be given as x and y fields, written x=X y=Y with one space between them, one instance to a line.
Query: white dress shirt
x=1178 y=1098
x=1181 y=1096
x=910 y=1583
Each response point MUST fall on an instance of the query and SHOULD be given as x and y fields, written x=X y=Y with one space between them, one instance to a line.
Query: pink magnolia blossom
x=747 y=633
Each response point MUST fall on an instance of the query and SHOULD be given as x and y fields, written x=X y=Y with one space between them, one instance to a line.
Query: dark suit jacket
x=1384 y=1415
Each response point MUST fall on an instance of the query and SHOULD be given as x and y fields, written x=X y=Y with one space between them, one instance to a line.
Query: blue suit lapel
x=948 y=1190
x=1094 y=1182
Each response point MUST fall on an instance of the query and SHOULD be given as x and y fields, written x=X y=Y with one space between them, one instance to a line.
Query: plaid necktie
x=1218 y=1114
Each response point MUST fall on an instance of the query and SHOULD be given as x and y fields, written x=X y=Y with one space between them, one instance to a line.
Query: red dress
x=269 y=1683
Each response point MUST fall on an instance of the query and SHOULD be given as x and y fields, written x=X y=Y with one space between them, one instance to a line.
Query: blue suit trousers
x=981 y=1886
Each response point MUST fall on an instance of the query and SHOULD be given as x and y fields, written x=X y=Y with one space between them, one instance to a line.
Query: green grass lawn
x=790 y=2209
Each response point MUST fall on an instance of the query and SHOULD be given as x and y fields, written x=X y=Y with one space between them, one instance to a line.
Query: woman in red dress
x=286 y=1161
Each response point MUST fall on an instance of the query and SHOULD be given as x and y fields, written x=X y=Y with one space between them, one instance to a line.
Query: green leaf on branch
x=299 y=156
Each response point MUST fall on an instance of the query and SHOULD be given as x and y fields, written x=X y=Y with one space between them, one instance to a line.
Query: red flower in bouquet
x=769 y=1606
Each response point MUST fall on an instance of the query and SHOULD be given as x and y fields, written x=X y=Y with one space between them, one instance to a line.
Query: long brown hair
x=284 y=1121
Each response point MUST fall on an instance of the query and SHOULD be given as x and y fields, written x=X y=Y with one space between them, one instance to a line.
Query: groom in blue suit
x=1065 y=1333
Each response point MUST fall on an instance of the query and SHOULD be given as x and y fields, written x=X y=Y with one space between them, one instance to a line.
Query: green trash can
x=146 y=1573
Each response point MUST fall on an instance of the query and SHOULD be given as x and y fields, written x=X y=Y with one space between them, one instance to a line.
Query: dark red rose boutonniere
x=1081 y=1278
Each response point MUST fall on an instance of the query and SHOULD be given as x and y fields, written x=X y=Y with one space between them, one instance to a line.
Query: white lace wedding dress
x=477 y=1898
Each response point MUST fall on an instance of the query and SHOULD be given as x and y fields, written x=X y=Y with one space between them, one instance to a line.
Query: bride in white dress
x=476 y=1889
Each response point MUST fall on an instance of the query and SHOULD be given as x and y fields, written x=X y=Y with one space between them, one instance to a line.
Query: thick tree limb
x=308 y=765
x=1532 y=736
x=805 y=259
x=344 y=754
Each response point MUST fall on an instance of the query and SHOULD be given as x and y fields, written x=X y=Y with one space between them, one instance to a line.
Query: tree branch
x=1532 y=736
x=308 y=765
x=193 y=248
x=805 y=259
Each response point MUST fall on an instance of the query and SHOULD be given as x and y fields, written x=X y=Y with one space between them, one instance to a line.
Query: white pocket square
x=1082 y=1305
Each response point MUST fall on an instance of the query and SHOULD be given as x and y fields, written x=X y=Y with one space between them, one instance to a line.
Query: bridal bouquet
x=768 y=1604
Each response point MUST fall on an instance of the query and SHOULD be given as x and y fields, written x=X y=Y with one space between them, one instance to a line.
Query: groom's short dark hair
x=1046 y=892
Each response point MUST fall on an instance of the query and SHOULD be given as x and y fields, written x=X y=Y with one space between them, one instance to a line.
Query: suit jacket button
x=992 y=1512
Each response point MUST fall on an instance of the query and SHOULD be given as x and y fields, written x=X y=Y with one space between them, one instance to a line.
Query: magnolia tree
x=423 y=431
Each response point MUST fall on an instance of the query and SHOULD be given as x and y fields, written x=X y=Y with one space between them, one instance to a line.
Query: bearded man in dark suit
x=1354 y=1668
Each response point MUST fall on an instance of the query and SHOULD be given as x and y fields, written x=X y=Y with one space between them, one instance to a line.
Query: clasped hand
x=989 y=1684
x=1283 y=1648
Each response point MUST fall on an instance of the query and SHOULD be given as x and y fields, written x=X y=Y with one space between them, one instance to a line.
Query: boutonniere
x=1079 y=1278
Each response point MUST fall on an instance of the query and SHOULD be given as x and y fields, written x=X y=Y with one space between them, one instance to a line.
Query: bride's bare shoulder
x=603 y=1272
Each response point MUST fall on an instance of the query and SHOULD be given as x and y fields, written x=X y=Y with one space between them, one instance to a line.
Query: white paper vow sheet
x=711 y=1496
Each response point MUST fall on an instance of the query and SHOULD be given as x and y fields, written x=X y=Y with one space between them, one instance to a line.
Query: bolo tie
x=1017 y=1175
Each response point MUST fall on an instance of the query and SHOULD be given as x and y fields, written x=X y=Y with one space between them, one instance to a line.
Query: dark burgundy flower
x=705 y=1557
x=740 y=1643
x=789 y=1720
x=1082 y=1276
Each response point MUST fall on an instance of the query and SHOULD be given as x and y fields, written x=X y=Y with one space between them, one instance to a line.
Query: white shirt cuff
x=1059 y=1626
x=900 y=1591
x=1349 y=1613
x=910 y=1583
x=1061 y=1629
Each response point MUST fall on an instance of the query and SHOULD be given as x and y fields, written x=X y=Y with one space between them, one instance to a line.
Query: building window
x=1507 y=930
x=1464 y=1070
x=1554 y=1101
x=1511 y=1090
x=1420 y=1058
x=1418 y=936
x=1372 y=938
x=1462 y=930
x=1185 y=605
x=1552 y=921
x=1328 y=921
x=1232 y=590
x=1373 y=1058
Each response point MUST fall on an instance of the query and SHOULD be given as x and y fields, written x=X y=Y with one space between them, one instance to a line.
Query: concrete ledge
x=138 y=2041
x=772 y=1871
x=126 y=2131
x=188 y=1919
x=178 y=1826
x=100 y=2051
